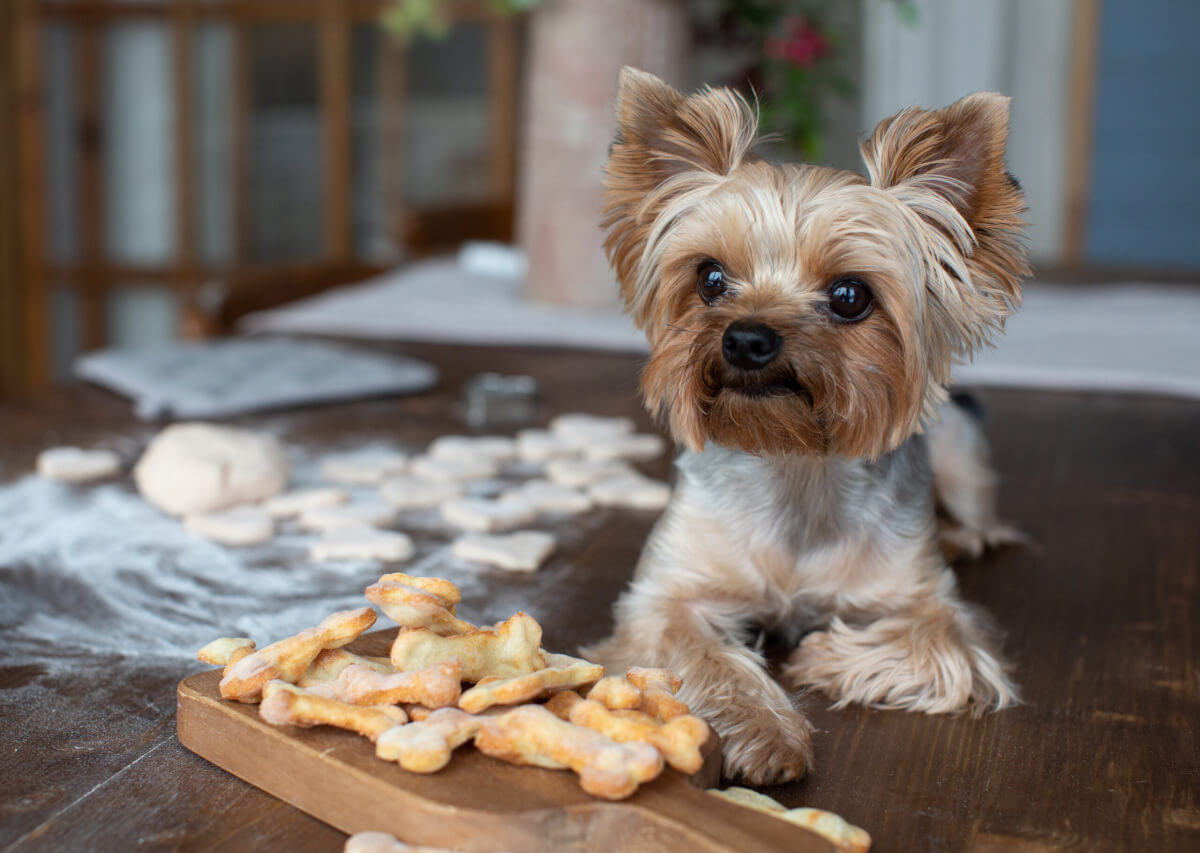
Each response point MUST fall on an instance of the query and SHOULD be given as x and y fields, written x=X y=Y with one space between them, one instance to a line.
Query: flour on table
x=548 y=497
x=364 y=467
x=369 y=513
x=487 y=515
x=291 y=504
x=241 y=525
x=362 y=543
x=523 y=551
x=77 y=465
x=196 y=468
x=408 y=491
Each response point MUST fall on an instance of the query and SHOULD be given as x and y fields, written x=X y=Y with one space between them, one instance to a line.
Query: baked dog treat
x=679 y=740
x=616 y=693
x=224 y=651
x=434 y=687
x=329 y=664
x=286 y=704
x=288 y=659
x=562 y=671
x=532 y=735
x=413 y=603
x=846 y=837
x=426 y=746
x=510 y=648
x=658 y=687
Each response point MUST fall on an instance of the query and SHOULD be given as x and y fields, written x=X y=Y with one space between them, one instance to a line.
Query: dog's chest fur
x=800 y=534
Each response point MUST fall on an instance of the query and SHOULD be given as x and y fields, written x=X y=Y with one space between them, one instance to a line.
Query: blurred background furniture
x=171 y=165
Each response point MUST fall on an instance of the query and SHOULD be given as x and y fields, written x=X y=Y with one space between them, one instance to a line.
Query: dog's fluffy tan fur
x=805 y=500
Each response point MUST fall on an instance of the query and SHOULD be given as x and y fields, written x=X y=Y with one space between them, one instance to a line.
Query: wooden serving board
x=475 y=803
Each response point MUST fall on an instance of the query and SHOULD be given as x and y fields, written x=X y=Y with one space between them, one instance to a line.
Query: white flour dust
x=99 y=569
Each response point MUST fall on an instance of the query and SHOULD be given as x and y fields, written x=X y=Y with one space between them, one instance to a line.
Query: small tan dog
x=802 y=324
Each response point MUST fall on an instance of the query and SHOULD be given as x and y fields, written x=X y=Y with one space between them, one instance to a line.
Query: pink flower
x=803 y=46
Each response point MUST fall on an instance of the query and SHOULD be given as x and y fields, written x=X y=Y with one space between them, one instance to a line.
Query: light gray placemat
x=216 y=379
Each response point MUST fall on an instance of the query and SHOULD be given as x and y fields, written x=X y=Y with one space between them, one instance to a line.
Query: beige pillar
x=576 y=48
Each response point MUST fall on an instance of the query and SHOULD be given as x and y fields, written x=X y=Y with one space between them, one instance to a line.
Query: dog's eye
x=850 y=300
x=710 y=281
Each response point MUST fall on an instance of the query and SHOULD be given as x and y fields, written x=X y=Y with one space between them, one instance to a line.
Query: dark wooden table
x=1099 y=613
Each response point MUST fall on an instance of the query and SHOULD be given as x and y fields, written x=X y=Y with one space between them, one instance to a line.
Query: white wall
x=1019 y=47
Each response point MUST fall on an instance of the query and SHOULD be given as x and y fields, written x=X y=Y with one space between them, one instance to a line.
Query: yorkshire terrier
x=802 y=323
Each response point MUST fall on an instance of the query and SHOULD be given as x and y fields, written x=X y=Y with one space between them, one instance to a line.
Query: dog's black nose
x=750 y=346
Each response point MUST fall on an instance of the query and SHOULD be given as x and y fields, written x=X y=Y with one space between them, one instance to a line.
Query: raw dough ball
x=196 y=468
x=294 y=503
x=242 y=525
x=362 y=543
x=487 y=515
x=373 y=513
x=545 y=496
x=412 y=492
x=524 y=551
x=76 y=465
x=365 y=467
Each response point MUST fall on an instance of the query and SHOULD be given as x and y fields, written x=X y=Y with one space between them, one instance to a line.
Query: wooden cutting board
x=476 y=803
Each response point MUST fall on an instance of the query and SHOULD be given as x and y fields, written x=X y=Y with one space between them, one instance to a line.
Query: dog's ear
x=948 y=166
x=666 y=145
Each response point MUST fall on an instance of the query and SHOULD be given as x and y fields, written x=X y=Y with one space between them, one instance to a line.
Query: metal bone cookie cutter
x=492 y=398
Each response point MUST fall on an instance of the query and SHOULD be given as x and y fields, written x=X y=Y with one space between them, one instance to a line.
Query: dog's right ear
x=666 y=145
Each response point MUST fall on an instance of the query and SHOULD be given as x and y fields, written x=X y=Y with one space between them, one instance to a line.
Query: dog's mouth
x=786 y=386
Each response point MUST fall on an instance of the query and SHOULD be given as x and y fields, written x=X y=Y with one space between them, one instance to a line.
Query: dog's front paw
x=764 y=746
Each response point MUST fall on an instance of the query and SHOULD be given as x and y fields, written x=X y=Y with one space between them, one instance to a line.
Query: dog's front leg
x=933 y=653
x=765 y=740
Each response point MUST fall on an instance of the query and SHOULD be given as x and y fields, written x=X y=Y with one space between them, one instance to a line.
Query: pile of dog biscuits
x=522 y=704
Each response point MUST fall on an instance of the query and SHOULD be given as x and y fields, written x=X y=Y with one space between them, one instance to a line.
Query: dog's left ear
x=951 y=161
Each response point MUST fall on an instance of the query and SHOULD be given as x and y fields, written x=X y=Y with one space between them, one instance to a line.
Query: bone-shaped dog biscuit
x=434 y=687
x=408 y=604
x=330 y=662
x=658 y=688
x=450 y=594
x=616 y=693
x=508 y=649
x=285 y=704
x=530 y=734
x=225 y=651
x=562 y=671
x=426 y=746
x=561 y=703
x=289 y=659
x=679 y=740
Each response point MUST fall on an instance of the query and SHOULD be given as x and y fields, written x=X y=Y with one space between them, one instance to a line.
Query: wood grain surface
x=1099 y=613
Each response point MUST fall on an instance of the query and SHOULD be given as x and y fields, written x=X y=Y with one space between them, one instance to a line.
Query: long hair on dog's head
x=803 y=309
